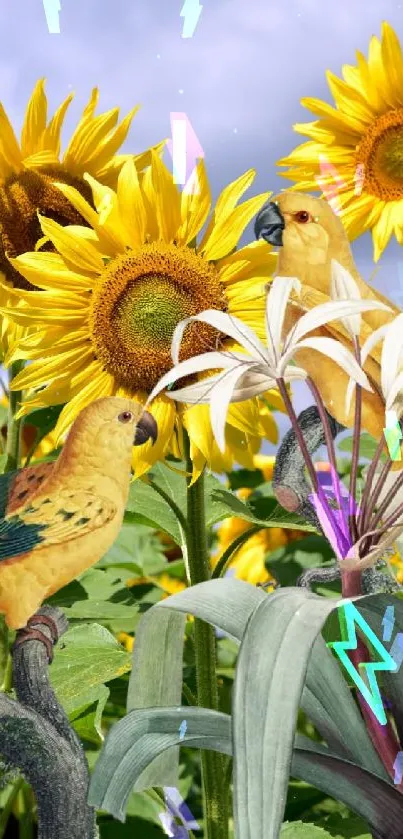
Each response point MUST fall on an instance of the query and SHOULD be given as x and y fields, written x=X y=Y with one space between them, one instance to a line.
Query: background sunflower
x=29 y=169
x=356 y=147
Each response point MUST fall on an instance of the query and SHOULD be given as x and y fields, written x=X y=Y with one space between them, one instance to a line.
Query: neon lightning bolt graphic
x=369 y=691
x=52 y=9
x=191 y=11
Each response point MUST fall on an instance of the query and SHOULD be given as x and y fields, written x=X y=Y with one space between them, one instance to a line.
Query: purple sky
x=239 y=78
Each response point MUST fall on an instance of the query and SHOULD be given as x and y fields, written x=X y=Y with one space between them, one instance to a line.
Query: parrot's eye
x=126 y=416
x=303 y=216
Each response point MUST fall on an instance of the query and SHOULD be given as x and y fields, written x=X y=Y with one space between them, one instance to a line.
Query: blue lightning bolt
x=52 y=9
x=371 y=694
x=182 y=729
x=191 y=11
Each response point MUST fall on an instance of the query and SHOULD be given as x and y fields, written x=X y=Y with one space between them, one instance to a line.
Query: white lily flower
x=257 y=369
x=391 y=364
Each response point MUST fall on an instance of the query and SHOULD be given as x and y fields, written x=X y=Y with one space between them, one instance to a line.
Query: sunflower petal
x=166 y=200
x=225 y=234
x=80 y=253
x=105 y=150
x=143 y=457
x=8 y=143
x=35 y=120
x=49 y=271
x=51 y=136
x=195 y=207
x=131 y=207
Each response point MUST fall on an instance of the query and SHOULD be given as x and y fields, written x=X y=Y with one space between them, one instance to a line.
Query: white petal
x=251 y=384
x=371 y=342
x=343 y=287
x=197 y=364
x=391 y=352
x=293 y=372
x=276 y=304
x=219 y=404
x=229 y=325
x=394 y=391
x=337 y=352
x=326 y=312
x=366 y=349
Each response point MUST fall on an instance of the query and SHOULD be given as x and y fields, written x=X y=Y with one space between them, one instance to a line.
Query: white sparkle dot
x=235 y=131
x=180 y=90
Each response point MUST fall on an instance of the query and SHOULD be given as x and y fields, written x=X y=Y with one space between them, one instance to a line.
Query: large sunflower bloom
x=29 y=168
x=114 y=294
x=362 y=134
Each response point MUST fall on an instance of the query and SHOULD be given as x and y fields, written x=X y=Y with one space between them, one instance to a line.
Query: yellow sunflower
x=114 y=293
x=362 y=138
x=29 y=168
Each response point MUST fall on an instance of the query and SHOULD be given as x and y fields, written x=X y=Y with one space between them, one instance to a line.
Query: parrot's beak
x=146 y=428
x=269 y=224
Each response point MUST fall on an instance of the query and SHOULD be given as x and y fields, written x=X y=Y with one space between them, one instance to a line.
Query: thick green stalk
x=214 y=792
x=13 y=425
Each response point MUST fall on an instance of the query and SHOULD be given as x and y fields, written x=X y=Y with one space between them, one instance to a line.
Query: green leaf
x=221 y=503
x=101 y=610
x=156 y=679
x=87 y=720
x=342 y=828
x=240 y=478
x=44 y=419
x=135 y=548
x=134 y=742
x=303 y=830
x=3 y=461
x=225 y=603
x=146 y=506
x=268 y=686
x=87 y=656
x=368 y=446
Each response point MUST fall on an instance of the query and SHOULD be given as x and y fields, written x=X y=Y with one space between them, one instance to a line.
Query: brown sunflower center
x=21 y=197
x=137 y=304
x=381 y=153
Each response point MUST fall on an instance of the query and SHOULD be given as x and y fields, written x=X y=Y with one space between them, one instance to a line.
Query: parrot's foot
x=319 y=575
x=30 y=634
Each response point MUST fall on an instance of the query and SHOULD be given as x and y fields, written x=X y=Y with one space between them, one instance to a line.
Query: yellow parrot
x=309 y=235
x=57 y=519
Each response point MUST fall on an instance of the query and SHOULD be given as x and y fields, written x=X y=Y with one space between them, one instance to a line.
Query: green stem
x=26 y=824
x=13 y=425
x=6 y=811
x=226 y=557
x=214 y=795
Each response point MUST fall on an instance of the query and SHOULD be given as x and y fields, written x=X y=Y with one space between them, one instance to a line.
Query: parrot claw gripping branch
x=58 y=519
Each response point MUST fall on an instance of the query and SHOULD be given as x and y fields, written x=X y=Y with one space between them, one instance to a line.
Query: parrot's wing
x=52 y=521
x=6 y=484
x=26 y=483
